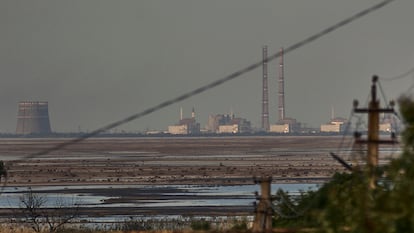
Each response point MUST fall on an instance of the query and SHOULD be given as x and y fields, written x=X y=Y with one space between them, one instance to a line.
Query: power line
x=400 y=76
x=409 y=89
x=409 y=73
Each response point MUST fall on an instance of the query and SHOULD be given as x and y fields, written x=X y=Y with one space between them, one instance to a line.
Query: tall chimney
x=33 y=118
x=265 y=99
x=281 y=95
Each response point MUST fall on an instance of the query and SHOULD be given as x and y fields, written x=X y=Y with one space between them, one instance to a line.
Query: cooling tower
x=33 y=118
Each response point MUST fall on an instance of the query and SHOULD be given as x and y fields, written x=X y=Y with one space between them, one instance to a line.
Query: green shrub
x=240 y=226
x=200 y=225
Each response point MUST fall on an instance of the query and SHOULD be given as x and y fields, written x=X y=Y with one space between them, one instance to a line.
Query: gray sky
x=97 y=61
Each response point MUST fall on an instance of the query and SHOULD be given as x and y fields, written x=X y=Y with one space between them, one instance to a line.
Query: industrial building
x=233 y=129
x=227 y=123
x=387 y=124
x=280 y=128
x=339 y=125
x=185 y=126
x=336 y=125
x=385 y=127
x=287 y=125
x=33 y=118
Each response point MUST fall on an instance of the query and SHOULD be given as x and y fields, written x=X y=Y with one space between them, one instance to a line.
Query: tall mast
x=265 y=99
x=281 y=95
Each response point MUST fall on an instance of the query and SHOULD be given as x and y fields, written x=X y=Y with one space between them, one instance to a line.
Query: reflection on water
x=150 y=196
x=12 y=200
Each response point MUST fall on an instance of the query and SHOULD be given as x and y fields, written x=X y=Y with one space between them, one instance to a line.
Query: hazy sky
x=97 y=61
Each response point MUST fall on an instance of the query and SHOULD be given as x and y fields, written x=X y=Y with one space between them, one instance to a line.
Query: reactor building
x=336 y=125
x=33 y=118
x=228 y=124
x=185 y=126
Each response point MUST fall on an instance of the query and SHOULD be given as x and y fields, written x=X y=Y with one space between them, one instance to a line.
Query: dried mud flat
x=171 y=161
x=209 y=160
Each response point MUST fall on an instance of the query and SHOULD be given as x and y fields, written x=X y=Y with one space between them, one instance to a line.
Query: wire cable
x=409 y=89
x=401 y=76
x=346 y=131
x=383 y=94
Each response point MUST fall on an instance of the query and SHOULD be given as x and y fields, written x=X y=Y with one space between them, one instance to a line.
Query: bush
x=200 y=225
x=134 y=224
x=240 y=226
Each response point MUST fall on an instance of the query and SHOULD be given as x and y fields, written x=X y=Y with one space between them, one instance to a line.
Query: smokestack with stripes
x=33 y=118
x=281 y=95
x=265 y=99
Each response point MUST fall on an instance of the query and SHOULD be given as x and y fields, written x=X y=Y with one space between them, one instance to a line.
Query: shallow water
x=181 y=195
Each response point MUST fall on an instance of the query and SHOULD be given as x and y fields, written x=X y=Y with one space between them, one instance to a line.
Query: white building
x=336 y=125
x=282 y=128
x=287 y=125
x=332 y=128
x=178 y=129
x=228 y=128
x=385 y=127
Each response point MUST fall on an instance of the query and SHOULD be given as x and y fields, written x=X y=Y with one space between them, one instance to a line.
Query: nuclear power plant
x=33 y=118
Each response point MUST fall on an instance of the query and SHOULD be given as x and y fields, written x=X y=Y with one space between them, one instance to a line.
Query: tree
x=30 y=206
x=37 y=215
x=61 y=214
x=354 y=207
x=347 y=204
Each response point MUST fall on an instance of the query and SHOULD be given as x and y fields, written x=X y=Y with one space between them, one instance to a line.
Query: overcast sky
x=98 y=61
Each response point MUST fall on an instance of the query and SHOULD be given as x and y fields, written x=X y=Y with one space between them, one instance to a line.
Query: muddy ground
x=172 y=160
x=221 y=160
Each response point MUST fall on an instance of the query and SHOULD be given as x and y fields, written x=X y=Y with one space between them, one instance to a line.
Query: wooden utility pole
x=264 y=211
x=373 y=139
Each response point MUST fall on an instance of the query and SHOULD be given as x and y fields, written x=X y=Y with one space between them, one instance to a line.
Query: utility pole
x=263 y=211
x=373 y=139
